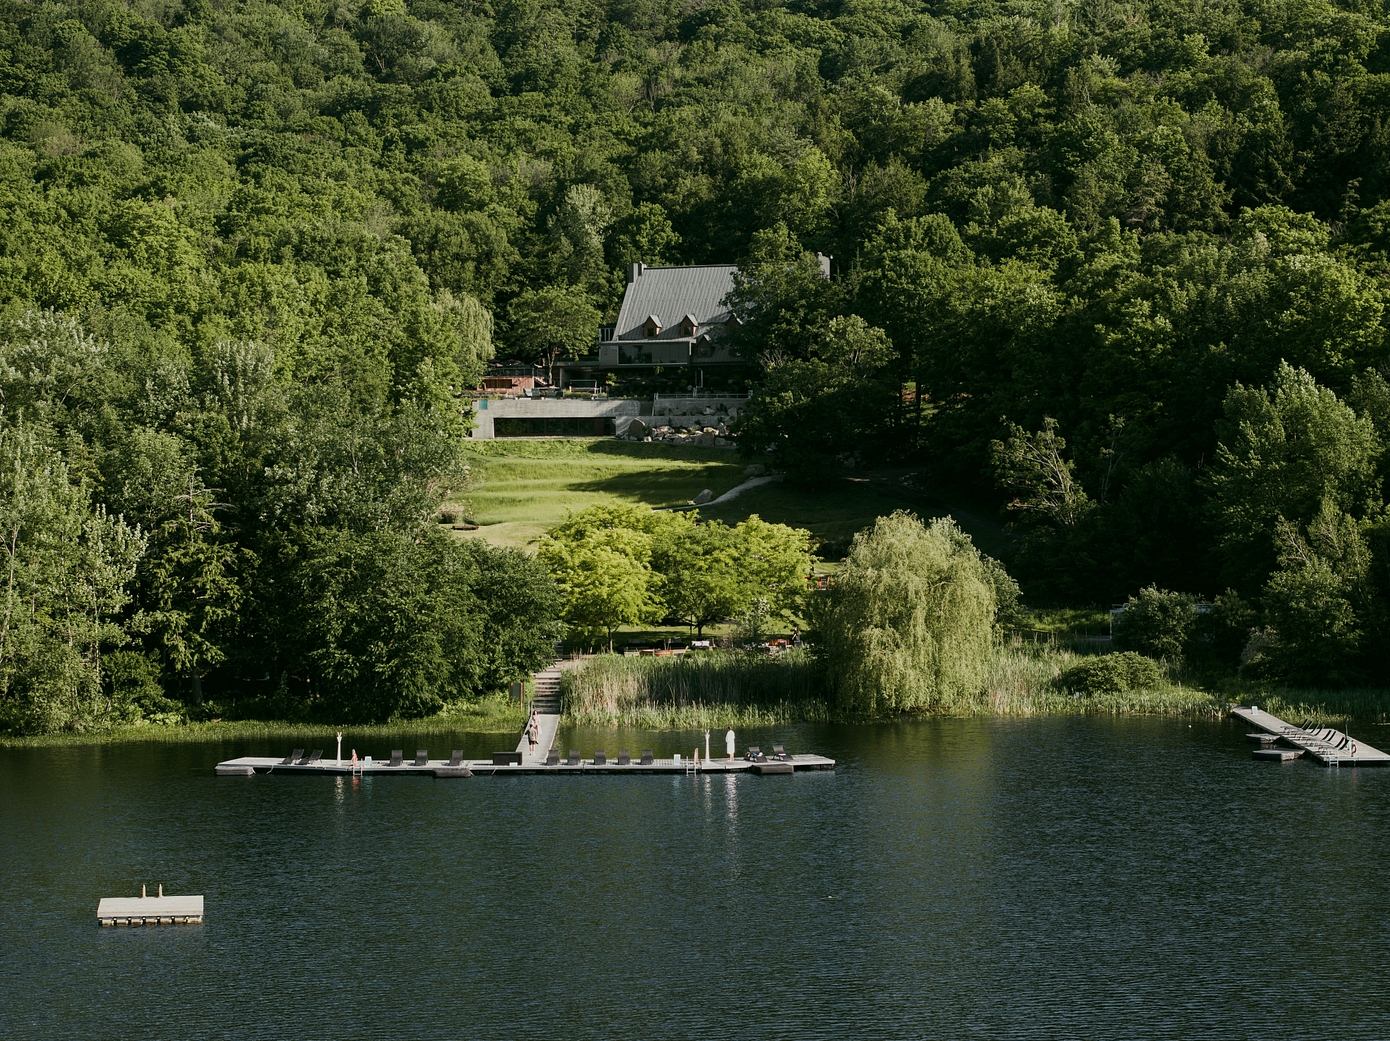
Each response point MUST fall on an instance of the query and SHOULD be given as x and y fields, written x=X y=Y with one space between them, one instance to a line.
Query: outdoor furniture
x=293 y=757
x=422 y=757
x=506 y=758
x=457 y=758
x=780 y=752
x=646 y=757
x=553 y=759
x=600 y=758
x=573 y=759
x=309 y=760
x=397 y=757
x=755 y=754
x=624 y=759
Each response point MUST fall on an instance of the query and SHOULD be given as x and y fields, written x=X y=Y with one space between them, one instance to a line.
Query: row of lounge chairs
x=755 y=754
x=600 y=759
x=422 y=758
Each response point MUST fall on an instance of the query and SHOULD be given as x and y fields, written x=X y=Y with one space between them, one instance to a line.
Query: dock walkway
x=150 y=910
x=245 y=766
x=1327 y=746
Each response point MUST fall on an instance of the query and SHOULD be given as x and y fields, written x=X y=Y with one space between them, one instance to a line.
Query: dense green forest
x=1122 y=266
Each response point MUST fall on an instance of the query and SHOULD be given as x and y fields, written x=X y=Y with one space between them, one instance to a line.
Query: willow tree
x=908 y=624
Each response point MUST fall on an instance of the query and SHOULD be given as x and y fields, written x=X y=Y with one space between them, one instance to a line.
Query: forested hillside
x=1122 y=263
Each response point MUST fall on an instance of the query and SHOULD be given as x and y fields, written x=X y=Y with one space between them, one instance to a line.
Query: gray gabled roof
x=671 y=293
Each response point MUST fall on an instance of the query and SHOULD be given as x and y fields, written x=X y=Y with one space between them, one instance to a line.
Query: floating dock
x=247 y=766
x=1325 y=745
x=150 y=910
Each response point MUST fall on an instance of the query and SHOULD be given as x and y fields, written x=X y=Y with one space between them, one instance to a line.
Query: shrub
x=1157 y=623
x=1110 y=674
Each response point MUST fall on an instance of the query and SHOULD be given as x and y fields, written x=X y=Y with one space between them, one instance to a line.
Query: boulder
x=754 y=470
x=705 y=496
x=638 y=428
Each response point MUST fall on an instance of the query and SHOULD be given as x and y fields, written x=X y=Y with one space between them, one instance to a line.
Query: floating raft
x=1279 y=755
x=1327 y=746
x=247 y=766
x=150 y=910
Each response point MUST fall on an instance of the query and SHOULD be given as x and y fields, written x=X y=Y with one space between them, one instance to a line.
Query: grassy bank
x=495 y=715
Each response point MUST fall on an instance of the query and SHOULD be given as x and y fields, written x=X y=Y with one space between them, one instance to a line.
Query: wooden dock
x=1326 y=745
x=150 y=910
x=247 y=766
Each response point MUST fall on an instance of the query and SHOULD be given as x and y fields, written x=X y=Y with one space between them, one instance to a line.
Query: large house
x=671 y=318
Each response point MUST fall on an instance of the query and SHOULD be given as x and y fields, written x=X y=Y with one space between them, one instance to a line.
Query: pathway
x=545 y=700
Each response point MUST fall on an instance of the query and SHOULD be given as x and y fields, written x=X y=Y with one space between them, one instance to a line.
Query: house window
x=653 y=325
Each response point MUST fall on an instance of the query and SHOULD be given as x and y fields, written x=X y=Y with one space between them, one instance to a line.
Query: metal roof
x=672 y=293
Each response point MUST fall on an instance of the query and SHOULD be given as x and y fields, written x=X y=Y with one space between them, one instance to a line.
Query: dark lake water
x=1055 y=878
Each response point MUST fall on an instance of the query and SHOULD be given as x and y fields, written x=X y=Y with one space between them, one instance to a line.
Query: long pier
x=246 y=766
x=1327 y=746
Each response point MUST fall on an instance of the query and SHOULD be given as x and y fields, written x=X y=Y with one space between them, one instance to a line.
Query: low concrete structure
x=595 y=417
x=558 y=416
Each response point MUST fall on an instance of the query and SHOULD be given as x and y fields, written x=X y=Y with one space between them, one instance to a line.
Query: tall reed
x=694 y=691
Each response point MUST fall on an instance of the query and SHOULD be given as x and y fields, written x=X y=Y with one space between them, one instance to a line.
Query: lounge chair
x=457 y=758
x=600 y=758
x=573 y=759
x=553 y=759
x=397 y=757
x=646 y=757
x=422 y=757
x=624 y=759
x=310 y=760
x=780 y=752
x=293 y=757
x=755 y=754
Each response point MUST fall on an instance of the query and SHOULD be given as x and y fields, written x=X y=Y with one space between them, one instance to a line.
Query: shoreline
x=499 y=715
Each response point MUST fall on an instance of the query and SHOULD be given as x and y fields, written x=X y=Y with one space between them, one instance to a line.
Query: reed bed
x=1022 y=681
x=733 y=689
x=695 y=691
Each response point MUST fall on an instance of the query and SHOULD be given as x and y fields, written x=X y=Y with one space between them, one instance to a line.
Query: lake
x=957 y=878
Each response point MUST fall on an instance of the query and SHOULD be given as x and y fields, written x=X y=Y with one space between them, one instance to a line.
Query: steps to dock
x=546 y=703
x=1327 y=746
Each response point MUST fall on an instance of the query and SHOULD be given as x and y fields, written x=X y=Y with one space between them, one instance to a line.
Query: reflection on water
x=1060 y=878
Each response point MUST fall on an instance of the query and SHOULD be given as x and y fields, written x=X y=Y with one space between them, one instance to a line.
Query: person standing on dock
x=533 y=730
x=729 y=742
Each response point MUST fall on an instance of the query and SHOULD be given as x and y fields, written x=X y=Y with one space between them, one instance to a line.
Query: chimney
x=824 y=265
x=634 y=271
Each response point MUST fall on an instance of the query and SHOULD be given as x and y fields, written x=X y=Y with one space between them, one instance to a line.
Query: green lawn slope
x=521 y=487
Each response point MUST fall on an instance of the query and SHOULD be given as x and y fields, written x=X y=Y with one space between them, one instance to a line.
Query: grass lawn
x=522 y=487
x=835 y=509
